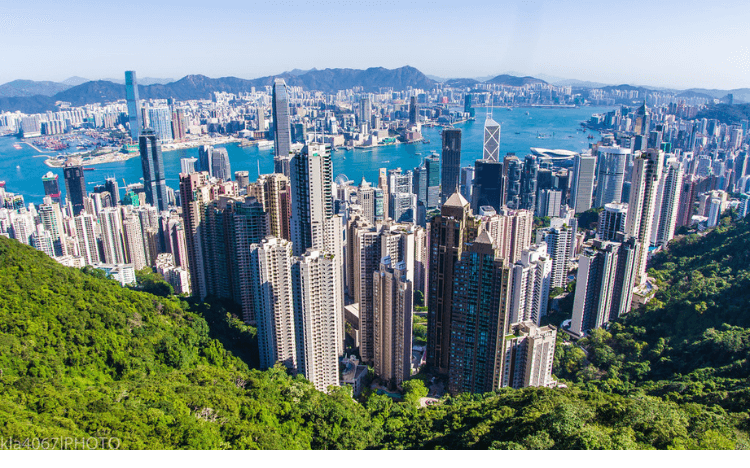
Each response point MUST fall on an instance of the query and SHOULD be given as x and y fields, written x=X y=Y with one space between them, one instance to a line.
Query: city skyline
x=705 y=51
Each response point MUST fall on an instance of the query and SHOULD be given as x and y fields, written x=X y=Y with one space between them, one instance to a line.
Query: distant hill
x=19 y=88
x=191 y=87
x=75 y=80
x=580 y=84
x=510 y=80
x=694 y=94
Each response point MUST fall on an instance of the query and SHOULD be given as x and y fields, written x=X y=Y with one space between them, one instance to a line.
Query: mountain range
x=39 y=96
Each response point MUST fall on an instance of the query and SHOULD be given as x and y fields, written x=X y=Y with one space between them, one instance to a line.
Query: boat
x=16 y=146
x=518 y=133
x=527 y=112
x=590 y=137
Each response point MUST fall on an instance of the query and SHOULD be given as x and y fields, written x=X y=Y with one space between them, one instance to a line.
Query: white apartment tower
x=318 y=315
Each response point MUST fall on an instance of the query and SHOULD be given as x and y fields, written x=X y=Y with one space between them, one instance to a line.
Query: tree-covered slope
x=82 y=357
x=691 y=343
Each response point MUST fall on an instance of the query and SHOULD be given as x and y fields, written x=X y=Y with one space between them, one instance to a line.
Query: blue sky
x=659 y=43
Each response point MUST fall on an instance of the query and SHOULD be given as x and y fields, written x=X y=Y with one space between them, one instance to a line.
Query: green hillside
x=81 y=356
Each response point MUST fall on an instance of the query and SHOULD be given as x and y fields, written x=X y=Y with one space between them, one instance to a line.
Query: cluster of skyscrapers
x=327 y=269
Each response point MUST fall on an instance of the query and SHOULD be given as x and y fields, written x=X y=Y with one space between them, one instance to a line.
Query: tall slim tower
x=582 y=191
x=220 y=164
x=491 y=149
x=281 y=135
x=478 y=319
x=160 y=120
x=152 y=163
x=451 y=162
x=449 y=233
x=134 y=105
x=647 y=170
x=667 y=203
x=75 y=186
x=274 y=306
x=611 y=174
x=312 y=196
x=318 y=316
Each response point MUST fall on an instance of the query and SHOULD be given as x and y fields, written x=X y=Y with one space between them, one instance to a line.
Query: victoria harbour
x=522 y=128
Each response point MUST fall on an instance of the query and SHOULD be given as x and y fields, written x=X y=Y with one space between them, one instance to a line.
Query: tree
x=414 y=390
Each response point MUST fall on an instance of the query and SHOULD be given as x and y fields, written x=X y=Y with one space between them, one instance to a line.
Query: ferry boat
x=16 y=146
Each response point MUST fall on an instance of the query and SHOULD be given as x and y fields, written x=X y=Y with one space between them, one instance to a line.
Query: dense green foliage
x=724 y=113
x=81 y=356
x=691 y=343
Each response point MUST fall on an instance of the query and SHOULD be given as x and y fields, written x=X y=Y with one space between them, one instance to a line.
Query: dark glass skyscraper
x=152 y=163
x=451 y=162
x=134 y=105
x=527 y=196
x=488 y=184
x=449 y=232
x=478 y=319
x=51 y=186
x=281 y=134
x=512 y=180
x=75 y=186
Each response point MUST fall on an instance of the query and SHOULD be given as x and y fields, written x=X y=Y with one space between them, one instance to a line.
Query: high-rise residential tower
x=393 y=297
x=647 y=169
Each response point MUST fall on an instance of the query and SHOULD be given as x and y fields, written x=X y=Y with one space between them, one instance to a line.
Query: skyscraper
x=75 y=186
x=582 y=190
x=667 y=203
x=134 y=105
x=274 y=307
x=393 y=296
x=647 y=170
x=604 y=284
x=318 y=312
x=611 y=221
x=205 y=159
x=152 y=164
x=478 y=318
x=413 y=111
x=527 y=196
x=449 y=232
x=365 y=112
x=451 y=162
x=187 y=165
x=529 y=354
x=272 y=190
x=560 y=239
x=488 y=184
x=220 y=166
x=512 y=169
x=530 y=281
x=491 y=148
x=281 y=133
x=86 y=236
x=160 y=120
x=51 y=186
x=611 y=174
x=312 y=196
x=110 y=184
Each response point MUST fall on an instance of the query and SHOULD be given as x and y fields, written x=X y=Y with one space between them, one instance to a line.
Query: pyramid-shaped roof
x=456 y=200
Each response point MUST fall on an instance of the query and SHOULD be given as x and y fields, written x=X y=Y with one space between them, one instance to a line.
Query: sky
x=674 y=44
